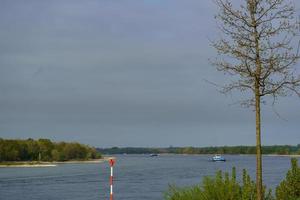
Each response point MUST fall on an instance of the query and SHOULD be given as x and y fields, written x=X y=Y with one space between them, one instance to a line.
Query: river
x=137 y=177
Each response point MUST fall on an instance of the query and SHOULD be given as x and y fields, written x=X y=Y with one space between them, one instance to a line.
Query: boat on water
x=218 y=158
x=153 y=155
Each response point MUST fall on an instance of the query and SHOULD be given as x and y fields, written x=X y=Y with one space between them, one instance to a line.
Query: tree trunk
x=258 y=144
x=257 y=105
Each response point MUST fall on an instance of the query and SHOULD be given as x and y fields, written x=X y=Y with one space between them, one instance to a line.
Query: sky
x=123 y=73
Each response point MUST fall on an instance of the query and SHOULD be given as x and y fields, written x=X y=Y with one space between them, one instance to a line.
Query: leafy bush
x=220 y=187
x=224 y=187
x=289 y=189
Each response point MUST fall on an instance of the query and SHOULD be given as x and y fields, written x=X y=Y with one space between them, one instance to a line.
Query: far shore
x=275 y=155
x=33 y=164
x=292 y=155
x=211 y=154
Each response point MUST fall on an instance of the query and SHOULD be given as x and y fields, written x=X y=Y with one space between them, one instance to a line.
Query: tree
x=55 y=155
x=33 y=149
x=258 y=49
x=45 y=146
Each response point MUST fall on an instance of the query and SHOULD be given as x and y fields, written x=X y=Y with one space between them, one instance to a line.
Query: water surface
x=137 y=177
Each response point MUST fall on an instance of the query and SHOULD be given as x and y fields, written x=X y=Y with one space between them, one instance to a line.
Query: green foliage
x=189 y=193
x=220 y=187
x=275 y=149
x=289 y=189
x=44 y=150
x=224 y=187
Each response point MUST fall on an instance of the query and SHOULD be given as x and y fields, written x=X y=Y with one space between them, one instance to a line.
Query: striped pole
x=111 y=163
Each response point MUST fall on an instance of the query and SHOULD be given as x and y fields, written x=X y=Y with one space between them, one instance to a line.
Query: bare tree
x=258 y=47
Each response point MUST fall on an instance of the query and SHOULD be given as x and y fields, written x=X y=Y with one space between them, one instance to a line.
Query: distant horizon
x=171 y=146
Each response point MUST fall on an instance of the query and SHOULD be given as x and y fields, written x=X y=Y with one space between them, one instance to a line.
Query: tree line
x=275 y=149
x=44 y=150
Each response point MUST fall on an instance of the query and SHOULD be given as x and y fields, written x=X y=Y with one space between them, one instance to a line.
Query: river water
x=137 y=177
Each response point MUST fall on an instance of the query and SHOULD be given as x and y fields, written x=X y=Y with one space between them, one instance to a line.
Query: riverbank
x=291 y=155
x=272 y=149
x=30 y=164
x=26 y=164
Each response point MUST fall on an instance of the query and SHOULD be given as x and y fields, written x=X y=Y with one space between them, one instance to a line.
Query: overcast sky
x=123 y=73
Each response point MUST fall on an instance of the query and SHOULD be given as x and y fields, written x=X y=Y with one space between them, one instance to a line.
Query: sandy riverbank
x=85 y=161
x=52 y=164
x=28 y=165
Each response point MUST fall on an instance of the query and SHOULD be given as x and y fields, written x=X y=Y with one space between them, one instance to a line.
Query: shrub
x=289 y=189
x=220 y=187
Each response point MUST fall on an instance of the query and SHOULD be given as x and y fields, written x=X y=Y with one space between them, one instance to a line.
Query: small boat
x=218 y=158
x=153 y=155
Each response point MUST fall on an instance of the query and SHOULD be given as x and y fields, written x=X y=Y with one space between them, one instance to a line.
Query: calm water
x=138 y=177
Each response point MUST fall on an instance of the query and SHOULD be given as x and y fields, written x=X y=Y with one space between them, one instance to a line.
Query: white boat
x=218 y=158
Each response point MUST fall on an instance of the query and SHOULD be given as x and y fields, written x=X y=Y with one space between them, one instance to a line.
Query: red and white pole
x=111 y=179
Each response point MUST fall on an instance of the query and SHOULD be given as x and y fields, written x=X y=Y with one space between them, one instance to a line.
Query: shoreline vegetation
x=282 y=150
x=44 y=152
x=51 y=164
x=227 y=186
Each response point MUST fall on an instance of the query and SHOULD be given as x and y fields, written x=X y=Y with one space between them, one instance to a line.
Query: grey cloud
x=121 y=73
